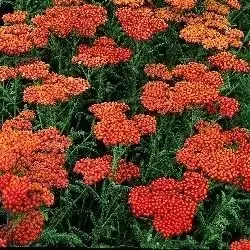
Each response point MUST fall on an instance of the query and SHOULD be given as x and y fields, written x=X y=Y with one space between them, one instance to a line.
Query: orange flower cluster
x=95 y=170
x=199 y=86
x=23 y=230
x=227 y=62
x=242 y=244
x=20 y=38
x=7 y=73
x=212 y=31
x=62 y=20
x=170 y=14
x=67 y=2
x=233 y=4
x=182 y=5
x=222 y=155
x=104 y=51
x=115 y=128
x=140 y=23
x=217 y=7
x=132 y=3
x=31 y=165
x=172 y=204
x=158 y=71
x=16 y=17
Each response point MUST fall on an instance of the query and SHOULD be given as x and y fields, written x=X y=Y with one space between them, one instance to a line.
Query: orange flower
x=132 y=3
x=103 y=52
x=221 y=155
x=114 y=128
x=242 y=244
x=28 y=229
x=62 y=20
x=33 y=70
x=217 y=7
x=227 y=62
x=7 y=73
x=182 y=5
x=169 y=14
x=172 y=204
x=233 y=4
x=67 y=2
x=55 y=88
x=97 y=169
x=16 y=17
x=159 y=71
x=140 y=23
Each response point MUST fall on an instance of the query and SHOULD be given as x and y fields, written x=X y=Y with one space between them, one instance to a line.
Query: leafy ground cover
x=125 y=123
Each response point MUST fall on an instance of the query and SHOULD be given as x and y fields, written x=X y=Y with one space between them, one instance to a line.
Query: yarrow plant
x=125 y=123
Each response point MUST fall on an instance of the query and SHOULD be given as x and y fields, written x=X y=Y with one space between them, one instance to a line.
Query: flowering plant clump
x=31 y=165
x=104 y=51
x=155 y=153
x=222 y=155
x=172 y=204
x=115 y=128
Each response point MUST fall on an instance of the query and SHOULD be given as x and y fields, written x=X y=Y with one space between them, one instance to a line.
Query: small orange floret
x=242 y=244
x=229 y=62
x=103 y=52
x=140 y=23
x=158 y=71
x=16 y=17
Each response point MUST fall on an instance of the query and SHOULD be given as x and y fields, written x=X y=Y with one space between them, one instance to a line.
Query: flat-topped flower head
x=242 y=244
x=182 y=5
x=227 y=61
x=140 y=23
x=16 y=17
x=170 y=203
x=103 y=52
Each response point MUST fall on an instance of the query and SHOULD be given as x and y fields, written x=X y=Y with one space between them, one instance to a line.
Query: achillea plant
x=104 y=51
x=242 y=244
x=170 y=203
x=31 y=165
x=229 y=62
x=114 y=128
x=97 y=169
x=222 y=155
x=141 y=24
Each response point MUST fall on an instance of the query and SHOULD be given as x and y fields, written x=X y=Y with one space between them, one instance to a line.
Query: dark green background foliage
x=98 y=216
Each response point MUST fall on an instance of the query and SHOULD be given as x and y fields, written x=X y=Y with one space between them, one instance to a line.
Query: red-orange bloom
x=132 y=3
x=27 y=230
x=140 y=23
x=104 y=51
x=16 y=17
x=229 y=62
x=62 y=20
x=55 y=88
x=67 y=2
x=97 y=169
x=242 y=244
x=33 y=70
x=233 y=4
x=7 y=73
x=158 y=71
x=114 y=128
x=182 y=5
x=221 y=155
x=172 y=204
